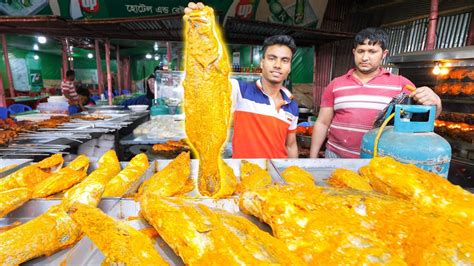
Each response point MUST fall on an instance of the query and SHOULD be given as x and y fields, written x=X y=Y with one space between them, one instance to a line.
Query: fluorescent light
x=41 y=39
x=157 y=57
x=90 y=55
x=36 y=57
x=35 y=47
x=148 y=56
x=155 y=47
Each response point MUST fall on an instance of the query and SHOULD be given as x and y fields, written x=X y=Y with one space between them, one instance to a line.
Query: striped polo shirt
x=261 y=129
x=355 y=107
x=68 y=89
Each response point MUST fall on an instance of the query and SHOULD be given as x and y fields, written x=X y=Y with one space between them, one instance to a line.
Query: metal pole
x=168 y=53
x=7 y=65
x=99 y=67
x=3 y=102
x=64 y=55
x=126 y=73
x=119 y=70
x=109 y=73
x=431 y=36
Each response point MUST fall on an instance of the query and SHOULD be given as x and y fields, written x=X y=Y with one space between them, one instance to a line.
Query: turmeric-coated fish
x=119 y=185
x=207 y=100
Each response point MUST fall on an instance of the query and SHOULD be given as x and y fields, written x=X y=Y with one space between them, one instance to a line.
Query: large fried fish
x=207 y=100
x=121 y=183
x=12 y=199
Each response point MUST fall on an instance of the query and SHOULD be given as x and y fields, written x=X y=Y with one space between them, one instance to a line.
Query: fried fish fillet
x=31 y=175
x=344 y=178
x=252 y=177
x=297 y=176
x=202 y=237
x=55 y=230
x=427 y=190
x=12 y=199
x=119 y=242
x=207 y=100
x=170 y=181
x=64 y=179
x=121 y=183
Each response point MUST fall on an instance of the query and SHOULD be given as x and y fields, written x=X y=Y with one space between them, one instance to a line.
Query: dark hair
x=374 y=35
x=149 y=93
x=279 y=40
x=84 y=91
x=70 y=73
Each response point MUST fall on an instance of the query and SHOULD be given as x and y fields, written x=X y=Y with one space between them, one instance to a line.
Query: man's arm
x=320 y=130
x=427 y=96
x=291 y=146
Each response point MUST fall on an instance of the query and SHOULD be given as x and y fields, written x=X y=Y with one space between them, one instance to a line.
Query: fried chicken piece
x=297 y=176
x=170 y=181
x=12 y=199
x=200 y=236
x=252 y=177
x=31 y=175
x=344 y=178
x=121 y=183
x=119 y=242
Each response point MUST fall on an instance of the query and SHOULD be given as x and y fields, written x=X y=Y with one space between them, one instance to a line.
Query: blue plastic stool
x=73 y=109
x=3 y=112
x=18 y=108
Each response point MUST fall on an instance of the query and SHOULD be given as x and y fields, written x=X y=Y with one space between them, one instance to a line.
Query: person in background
x=84 y=97
x=146 y=99
x=351 y=102
x=69 y=90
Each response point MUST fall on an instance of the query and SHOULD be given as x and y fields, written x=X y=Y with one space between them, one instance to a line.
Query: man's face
x=367 y=58
x=71 y=78
x=276 y=63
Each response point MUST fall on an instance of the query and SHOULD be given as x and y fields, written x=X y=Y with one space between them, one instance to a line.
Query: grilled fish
x=118 y=241
x=207 y=100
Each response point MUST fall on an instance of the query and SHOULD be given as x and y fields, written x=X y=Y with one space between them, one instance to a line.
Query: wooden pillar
x=126 y=73
x=99 y=67
x=64 y=58
x=7 y=66
x=119 y=70
x=3 y=102
x=109 y=73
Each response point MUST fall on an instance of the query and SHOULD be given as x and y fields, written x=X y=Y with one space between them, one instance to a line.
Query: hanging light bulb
x=90 y=55
x=444 y=71
x=436 y=69
x=148 y=56
x=36 y=57
x=35 y=47
x=157 y=57
x=70 y=48
x=70 y=58
x=155 y=47
x=41 y=39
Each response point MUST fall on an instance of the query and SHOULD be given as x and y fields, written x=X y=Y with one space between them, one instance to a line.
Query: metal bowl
x=303 y=141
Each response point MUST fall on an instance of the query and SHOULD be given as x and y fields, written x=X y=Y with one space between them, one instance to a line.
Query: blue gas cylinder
x=411 y=142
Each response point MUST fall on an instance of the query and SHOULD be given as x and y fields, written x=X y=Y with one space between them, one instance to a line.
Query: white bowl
x=138 y=108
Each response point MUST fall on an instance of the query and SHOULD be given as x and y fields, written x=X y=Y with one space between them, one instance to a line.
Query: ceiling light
x=35 y=47
x=36 y=57
x=436 y=69
x=41 y=39
x=90 y=55
x=148 y=56
x=157 y=57
x=155 y=47
x=70 y=58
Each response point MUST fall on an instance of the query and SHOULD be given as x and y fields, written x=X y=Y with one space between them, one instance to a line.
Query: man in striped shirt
x=351 y=102
x=68 y=89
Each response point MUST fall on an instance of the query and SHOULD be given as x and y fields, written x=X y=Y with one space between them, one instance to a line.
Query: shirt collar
x=382 y=72
x=286 y=94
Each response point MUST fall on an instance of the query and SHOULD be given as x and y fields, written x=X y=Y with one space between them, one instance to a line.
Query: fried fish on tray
x=207 y=100
x=55 y=230
x=201 y=236
x=119 y=242
x=12 y=199
x=123 y=182
x=252 y=177
x=297 y=176
x=344 y=178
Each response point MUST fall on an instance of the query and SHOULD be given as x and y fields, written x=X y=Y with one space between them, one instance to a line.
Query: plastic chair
x=73 y=109
x=95 y=97
x=125 y=91
x=18 y=108
x=3 y=112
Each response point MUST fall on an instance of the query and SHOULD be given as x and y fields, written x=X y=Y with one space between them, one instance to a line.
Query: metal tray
x=321 y=169
x=20 y=163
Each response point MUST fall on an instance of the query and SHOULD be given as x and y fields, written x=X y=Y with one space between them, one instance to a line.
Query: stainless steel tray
x=20 y=163
x=321 y=169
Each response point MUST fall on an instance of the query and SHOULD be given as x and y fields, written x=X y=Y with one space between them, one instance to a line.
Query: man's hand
x=427 y=96
x=193 y=6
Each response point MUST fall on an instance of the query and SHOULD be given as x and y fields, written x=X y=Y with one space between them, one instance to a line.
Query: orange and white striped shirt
x=69 y=91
